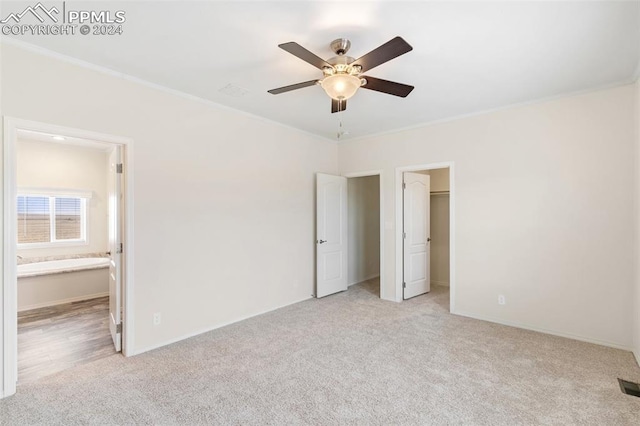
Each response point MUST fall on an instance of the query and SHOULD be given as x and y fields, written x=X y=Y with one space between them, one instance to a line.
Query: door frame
x=9 y=279
x=452 y=227
x=379 y=173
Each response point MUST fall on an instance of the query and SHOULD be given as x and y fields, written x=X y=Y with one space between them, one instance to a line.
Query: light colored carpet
x=349 y=358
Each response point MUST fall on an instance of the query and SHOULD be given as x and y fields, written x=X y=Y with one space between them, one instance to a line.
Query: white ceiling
x=467 y=56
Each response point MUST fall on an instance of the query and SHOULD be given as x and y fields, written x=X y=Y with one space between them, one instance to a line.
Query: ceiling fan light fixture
x=341 y=75
x=341 y=86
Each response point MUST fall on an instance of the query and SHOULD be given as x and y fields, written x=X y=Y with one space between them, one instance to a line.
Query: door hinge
x=120 y=249
x=118 y=328
x=404 y=235
x=119 y=168
x=404 y=285
x=404 y=185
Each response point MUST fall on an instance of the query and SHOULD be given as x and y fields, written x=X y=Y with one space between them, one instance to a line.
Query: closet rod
x=439 y=192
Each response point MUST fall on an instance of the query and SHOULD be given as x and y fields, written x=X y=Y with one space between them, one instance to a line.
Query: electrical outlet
x=501 y=299
x=156 y=318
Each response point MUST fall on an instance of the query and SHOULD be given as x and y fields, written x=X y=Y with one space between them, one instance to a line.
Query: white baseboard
x=546 y=331
x=63 y=301
x=370 y=277
x=636 y=355
x=208 y=329
x=441 y=283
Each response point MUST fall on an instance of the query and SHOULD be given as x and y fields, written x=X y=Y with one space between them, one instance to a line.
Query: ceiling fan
x=342 y=74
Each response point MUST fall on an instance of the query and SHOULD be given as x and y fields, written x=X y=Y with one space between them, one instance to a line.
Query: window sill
x=57 y=244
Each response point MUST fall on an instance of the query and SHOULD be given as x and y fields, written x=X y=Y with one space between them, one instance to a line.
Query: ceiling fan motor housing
x=340 y=46
x=341 y=65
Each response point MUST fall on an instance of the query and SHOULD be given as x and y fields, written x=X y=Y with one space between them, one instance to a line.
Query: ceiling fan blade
x=296 y=50
x=391 y=49
x=338 y=106
x=386 y=86
x=292 y=87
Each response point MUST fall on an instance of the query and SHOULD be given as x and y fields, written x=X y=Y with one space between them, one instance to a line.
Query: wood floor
x=59 y=337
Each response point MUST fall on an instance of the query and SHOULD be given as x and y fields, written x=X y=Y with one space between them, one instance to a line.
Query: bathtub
x=62 y=281
x=59 y=266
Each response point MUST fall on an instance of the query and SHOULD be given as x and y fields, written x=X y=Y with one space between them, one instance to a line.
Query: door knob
x=321 y=241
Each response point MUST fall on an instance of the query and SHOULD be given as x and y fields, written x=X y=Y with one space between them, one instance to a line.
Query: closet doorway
x=424 y=231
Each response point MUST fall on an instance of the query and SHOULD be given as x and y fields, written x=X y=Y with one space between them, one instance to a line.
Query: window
x=45 y=220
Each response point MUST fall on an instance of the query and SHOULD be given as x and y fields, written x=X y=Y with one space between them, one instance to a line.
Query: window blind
x=68 y=218
x=34 y=219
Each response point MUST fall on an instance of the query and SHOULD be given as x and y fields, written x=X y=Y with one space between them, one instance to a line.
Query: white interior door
x=417 y=235
x=331 y=234
x=115 y=247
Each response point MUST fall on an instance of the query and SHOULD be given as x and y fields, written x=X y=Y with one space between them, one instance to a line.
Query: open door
x=115 y=247
x=417 y=236
x=331 y=234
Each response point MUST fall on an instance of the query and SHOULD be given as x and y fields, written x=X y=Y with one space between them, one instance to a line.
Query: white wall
x=224 y=202
x=534 y=220
x=54 y=165
x=363 y=228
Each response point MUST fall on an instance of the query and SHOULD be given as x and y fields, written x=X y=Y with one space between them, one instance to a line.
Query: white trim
x=10 y=309
x=636 y=73
x=63 y=301
x=56 y=192
x=452 y=227
x=10 y=292
x=545 y=331
x=370 y=277
x=224 y=324
x=93 y=67
x=379 y=173
x=363 y=174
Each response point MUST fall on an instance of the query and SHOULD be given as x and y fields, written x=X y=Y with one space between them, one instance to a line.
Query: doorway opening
x=348 y=249
x=67 y=222
x=425 y=225
x=363 y=229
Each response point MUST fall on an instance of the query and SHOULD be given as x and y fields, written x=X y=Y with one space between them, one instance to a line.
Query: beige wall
x=58 y=166
x=54 y=289
x=224 y=202
x=439 y=226
x=363 y=228
x=534 y=221
x=439 y=178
